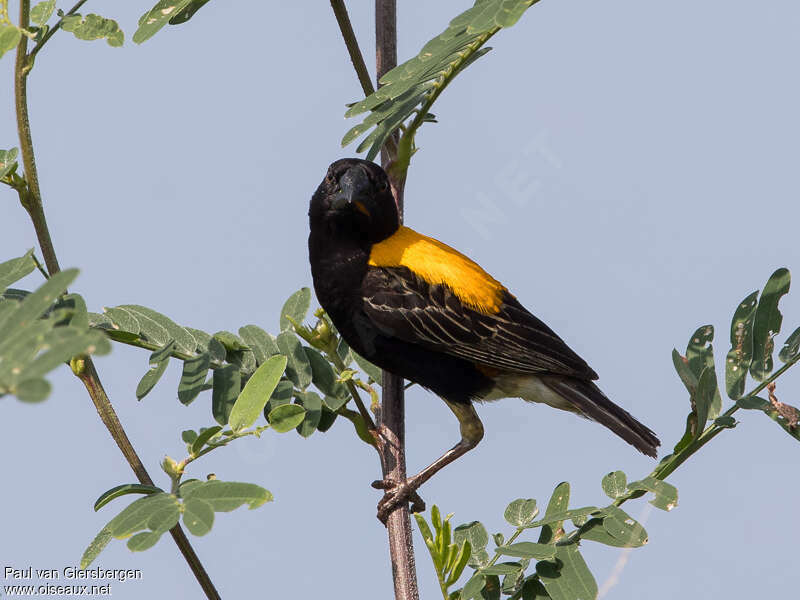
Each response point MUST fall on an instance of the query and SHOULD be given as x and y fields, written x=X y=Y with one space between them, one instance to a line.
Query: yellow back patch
x=438 y=263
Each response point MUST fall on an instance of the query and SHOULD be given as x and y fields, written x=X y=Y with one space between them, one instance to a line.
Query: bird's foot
x=397 y=493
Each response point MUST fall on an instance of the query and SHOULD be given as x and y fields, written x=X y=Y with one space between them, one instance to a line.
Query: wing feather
x=401 y=304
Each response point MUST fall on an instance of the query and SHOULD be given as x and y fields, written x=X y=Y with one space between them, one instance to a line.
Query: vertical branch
x=393 y=454
x=83 y=368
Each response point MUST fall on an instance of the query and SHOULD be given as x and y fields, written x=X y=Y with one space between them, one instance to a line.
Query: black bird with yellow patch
x=421 y=310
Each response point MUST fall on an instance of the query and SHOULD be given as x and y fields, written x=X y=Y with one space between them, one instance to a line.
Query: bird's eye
x=383 y=186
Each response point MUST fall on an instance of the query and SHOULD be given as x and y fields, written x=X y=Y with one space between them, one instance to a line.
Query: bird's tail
x=593 y=403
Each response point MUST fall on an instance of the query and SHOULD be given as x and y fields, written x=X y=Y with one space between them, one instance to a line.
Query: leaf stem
x=351 y=386
x=84 y=368
x=50 y=33
x=668 y=466
x=405 y=147
x=349 y=36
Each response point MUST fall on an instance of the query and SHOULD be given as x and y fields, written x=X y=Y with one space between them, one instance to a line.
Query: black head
x=355 y=200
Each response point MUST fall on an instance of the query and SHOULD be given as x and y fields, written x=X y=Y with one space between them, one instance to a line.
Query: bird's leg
x=405 y=491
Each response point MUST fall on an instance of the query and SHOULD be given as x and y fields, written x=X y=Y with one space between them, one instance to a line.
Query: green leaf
x=9 y=38
x=767 y=323
x=282 y=395
x=372 y=371
x=528 y=550
x=287 y=417
x=227 y=382
x=259 y=341
x=568 y=577
x=188 y=435
x=158 y=361
x=198 y=516
x=326 y=420
x=34 y=305
x=97 y=545
x=193 y=378
x=188 y=12
x=666 y=495
x=144 y=540
x=32 y=390
x=344 y=352
x=558 y=504
x=704 y=397
x=15 y=269
x=521 y=512
x=298 y=368
x=473 y=587
x=312 y=404
x=753 y=403
x=533 y=589
x=295 y=308
x=256 y=393
x=334 y=403
x=158 y=512
x=459 y=563
x=791 y=347
x=231 y=341
x=42 y=12
x=93 y=27
x=124 y=319
x=225 y=496
x=738 y=360
x=594 y=531
x=184 y=341
x=700 y=356
x=322 y=374
x=728 y=422
x=158 y=16
x=615 y=484
x=474 y=533
x=508 y=568
x=424 y=529
x=619 y=525
x=559 y=517
x=203 y=437
x=122 y=490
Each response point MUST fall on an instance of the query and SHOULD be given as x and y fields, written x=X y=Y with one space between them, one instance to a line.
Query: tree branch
x=82 y=367
x=342 y=18
x=55 y=28
x=393 y=455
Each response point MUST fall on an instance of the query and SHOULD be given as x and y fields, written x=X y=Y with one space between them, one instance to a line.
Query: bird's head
x=355 y=199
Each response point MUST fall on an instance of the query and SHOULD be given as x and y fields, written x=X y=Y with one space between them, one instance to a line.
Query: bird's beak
x=355 y=188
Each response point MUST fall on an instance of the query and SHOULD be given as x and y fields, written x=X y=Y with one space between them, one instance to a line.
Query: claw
x=397 y=494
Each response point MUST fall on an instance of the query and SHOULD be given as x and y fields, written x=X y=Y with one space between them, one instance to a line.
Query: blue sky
x=626 y=168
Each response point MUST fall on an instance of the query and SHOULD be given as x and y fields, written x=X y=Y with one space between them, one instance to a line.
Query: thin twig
x=342 y=18
x=83 y=368
x=55 y=28
x=357 y=58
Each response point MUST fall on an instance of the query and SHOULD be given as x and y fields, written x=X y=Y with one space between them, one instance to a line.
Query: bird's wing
x=403 y=305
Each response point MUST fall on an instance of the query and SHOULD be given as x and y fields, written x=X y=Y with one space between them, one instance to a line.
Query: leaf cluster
x=224 y=362
x=551 y=566
x=756 y=322
x=40 y=330
x=412 y=87
x=145 y=520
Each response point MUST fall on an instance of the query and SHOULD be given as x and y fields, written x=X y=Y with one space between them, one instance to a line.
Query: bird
x=421 y=310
